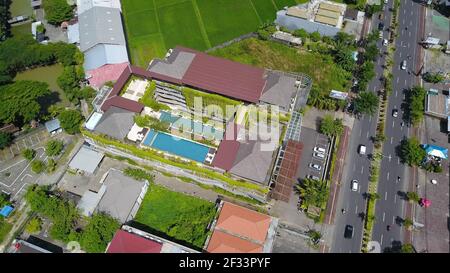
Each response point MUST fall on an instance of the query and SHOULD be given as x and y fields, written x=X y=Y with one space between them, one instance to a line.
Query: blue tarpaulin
x=436 y=151
x=6 y=211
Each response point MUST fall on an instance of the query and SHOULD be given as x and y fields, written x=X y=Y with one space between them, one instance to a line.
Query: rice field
x=154 y=26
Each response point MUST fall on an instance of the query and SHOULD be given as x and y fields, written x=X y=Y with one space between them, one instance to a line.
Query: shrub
x=138 y=174
x=34 y=226
x=29 y=154
x=54 y=147
x=38 y=166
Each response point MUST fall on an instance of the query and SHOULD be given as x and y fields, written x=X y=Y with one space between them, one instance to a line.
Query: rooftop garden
x=184 y=219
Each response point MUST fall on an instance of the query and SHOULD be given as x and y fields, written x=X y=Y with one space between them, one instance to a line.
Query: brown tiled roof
x=228 y=148
x=243 y=222
x=125 y=242
x=288 y=169
x=123 y=103
x=221 y=242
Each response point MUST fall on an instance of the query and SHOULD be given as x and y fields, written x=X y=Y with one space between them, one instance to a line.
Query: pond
x=47 y=74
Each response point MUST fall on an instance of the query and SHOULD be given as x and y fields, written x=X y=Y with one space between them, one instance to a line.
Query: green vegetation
x=4 y=200
x=312 y=192
x=314 y=236
x=412 y=196
x=330 y=126
x=5 y=140
x=153 y=26
x=149 y=101
x=154 y=155
x=184 y=218
x=433 y=77
x=93 y=233
x=411 y=152
x=5 y=228
x=326 y=74
x=19 y=101
x=366 y=103
x=51 y=165
x=54 y=147
x=407 y=223
x=98 y=233
x=29 y=154
x=138 y=174
x=38 y=166
x=416 y=104
x=151 y=122
x=5 y=27
x=57 y=11
x=70 y=121
x=209 y=99
x=34 y=225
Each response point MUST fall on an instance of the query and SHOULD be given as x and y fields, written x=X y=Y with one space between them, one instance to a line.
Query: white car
x=354 y=185
x=315 y=167
x=385 y=1
x=403 y=65
x=362 y=149
x=319 y=150
x=395 y=113
x=313 y=177
x=319 y=155
x=385 y=42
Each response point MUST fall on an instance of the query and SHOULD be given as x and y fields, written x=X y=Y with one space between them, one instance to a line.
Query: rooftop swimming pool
x=199 y=129
x=177 y=146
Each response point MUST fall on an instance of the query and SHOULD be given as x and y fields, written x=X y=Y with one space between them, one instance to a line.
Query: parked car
x=319 y=150
x=380 y=26
x=385 y=42
x=348 y=233
x=380 y=35
x=354 y=185
x=315 y=167
x=319 y=155
x=403 y=65
x=313 y=177
x=395 y=113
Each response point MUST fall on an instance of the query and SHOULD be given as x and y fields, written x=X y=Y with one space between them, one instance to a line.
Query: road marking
x=405 y=82
x=396 y=92
x=385 y=196
x=410 y=34
x=400 y=54
x=395 y=199
x=367 y=135
x=397 y=79
x=362 y=169
x=387 y=176
x=360 y=132
x=393 y=219
x=408 y=45
x=356 y=210
x=384 y=215
x=390 y=157
x=392 y=139
x=393 y=123
x=381 y=241
x=410 y=23
x=370 y=118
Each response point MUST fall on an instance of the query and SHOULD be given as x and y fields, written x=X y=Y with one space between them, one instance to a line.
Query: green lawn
x=20 y=7
x=5 y=227
x=181 y=217
x=23 y=29
x=153 y=26
x=325 y=74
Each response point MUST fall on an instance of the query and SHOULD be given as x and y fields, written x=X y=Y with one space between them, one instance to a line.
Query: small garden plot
x=182 y=217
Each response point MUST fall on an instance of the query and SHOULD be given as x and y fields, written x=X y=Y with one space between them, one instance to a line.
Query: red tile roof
x=125 y=242
x=224 y=77
x=221 y=242
x=243 y=222
x=228 y=148
x=123 y=103
x=105 y=73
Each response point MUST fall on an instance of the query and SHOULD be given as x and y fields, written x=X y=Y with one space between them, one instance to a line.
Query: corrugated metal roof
x=52 y=125
x=328 y=13
x=326 y=20
x=103 y=54
x=86 y=160
x=297 y=12
x=331 y=7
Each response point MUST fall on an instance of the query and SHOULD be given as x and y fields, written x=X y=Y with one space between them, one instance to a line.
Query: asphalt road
x=357 y=166
x=390 y=207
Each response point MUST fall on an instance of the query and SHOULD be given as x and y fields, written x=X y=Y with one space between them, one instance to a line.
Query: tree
x=70 y=121
x=51 y=165
x=416 y=104
x=5 y=27
x=314 y=236
x=34 y=226
x=343 y=38
x=411 y=152
x=412 y=196
x=343 y=56
x=5 y=140
x=98 y=233
x=38 y=166
x=371 y=52
x=315 y=36
x=366 y=103
x=19 y=101
x=312 y=192
x=407 y=248
x=69 y=82
x=374 y=196
x=301 y=33
x=54 y=147
x=407 y=223
x=29 y=154
x=57 y=11
x=330 y=126
x=433 y=77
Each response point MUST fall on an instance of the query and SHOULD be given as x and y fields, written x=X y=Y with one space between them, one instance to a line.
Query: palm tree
x=312 y=192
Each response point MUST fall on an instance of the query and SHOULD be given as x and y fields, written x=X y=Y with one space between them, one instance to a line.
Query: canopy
x=436 y=151
x=6 y=211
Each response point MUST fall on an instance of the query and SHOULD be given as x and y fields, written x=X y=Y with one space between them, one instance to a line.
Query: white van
x=362 y=150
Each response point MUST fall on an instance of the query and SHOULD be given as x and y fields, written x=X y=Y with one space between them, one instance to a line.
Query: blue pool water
x=205 y=130
x=176 y=146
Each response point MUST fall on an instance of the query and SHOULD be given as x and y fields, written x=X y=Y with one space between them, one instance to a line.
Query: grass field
x=153 y=26
x=326 y=75
x=182 y=217
x=20 y=7
x=5 y=227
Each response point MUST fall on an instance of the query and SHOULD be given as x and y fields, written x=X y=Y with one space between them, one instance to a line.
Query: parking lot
x=312 y=139
x=32 y=140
